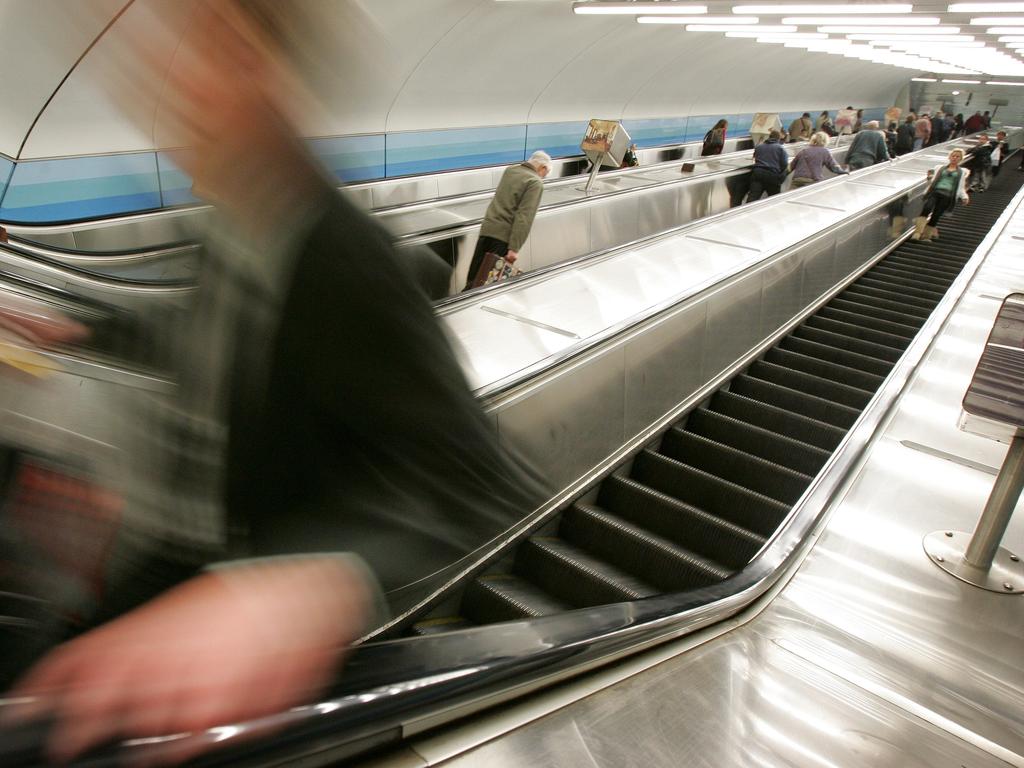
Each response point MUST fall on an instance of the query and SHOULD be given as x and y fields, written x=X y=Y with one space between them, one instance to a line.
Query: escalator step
x=898 y=289
x=798 y=456
x=748 y=509
x=752 y=472
x=945 y=272
x=809 y=384
x=848 y=343
x=867 y=318
x=571 y=575
x=802 y=428
x=914 y=277
x=868 y=306
x=925 y=252
x=834 y=354
x=506 y=597
x=897 y=302
x=844 y=374
x=703 y=533
x=811 y=406
x=856 y=330
x=659 y=562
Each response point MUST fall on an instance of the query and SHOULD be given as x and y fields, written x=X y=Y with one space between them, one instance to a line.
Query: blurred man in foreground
x=319 y=411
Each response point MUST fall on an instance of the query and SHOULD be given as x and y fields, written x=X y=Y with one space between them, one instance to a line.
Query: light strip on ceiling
x=851 y=30
x=986 y=8
x=912 y=38
x=1005 y=30
x=1012 y=39
x=1001 y=82
x=780 y=35
x=719 y=21
x=925 y=79
x=838 y=8
x=680 y=9
x=909 y=21
x=963 y=82
x=991 y=21
x=764 y=29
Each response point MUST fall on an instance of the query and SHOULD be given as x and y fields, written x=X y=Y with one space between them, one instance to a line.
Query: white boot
x=898 y=224
x=919 y=226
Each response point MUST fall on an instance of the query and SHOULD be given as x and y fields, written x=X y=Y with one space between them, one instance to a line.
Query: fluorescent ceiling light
x=989 y=21
x=929 y=46
x=911 y=38
x=844 y=30
x=715 y=20
x=1012 y=39
x=765 y=29
x=836 y=8
x=909 y=21
x=963 y=82
x=782 y=36
x=1001 y=82
x=986 y=8
x=925 y=79
x=1005 y=30
x=682 y=9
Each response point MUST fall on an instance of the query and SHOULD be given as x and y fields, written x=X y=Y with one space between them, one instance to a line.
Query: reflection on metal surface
x=528 y=321
x=950 y=457
x=947 y=549
x=814 y=205
x=722 y=242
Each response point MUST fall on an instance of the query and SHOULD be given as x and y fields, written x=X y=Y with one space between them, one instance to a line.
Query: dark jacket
x=980 y=157
x=939 y=133
x=714 y=142
x=905 y=138
x=771 y=156
x=974 y=123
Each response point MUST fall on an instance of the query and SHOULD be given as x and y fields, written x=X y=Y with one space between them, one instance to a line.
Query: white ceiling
x=395 y=65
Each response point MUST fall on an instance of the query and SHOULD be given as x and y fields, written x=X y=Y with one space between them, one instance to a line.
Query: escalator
x=694 y=510
x=678 y=527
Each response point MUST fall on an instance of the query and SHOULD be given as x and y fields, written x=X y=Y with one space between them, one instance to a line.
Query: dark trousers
x=935 y=205
x=484 y=245
x=764 y=181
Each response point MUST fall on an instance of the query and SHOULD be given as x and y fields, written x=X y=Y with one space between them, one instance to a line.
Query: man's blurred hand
x=225 y=647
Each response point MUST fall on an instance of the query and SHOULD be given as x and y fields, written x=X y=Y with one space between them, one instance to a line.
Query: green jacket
x=511 y=212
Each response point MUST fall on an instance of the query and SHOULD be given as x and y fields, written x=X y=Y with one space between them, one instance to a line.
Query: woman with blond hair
x=809 y=163
x=948 y=185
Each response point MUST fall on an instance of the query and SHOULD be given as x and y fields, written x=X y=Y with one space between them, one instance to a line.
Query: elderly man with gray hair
x=868 y=147
x=510 y=215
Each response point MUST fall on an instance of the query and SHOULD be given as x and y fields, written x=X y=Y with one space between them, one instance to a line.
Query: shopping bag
x=502 y=270
x=480 y=278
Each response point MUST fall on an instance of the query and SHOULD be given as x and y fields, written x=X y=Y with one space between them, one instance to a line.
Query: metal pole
x=992 y=526
x=594 y=171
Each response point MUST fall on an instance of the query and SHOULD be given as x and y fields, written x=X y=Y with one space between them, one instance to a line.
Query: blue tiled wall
x=6 y=169
x=68 y=189
x=81 y=187
x=352 y=158
x=431 y=151
x=557 y=139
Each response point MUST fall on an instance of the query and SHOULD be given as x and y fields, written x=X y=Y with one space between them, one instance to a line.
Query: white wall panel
x=395 y=65
x=42 y=39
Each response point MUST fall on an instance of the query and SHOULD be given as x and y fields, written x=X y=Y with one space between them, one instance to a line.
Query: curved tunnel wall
x=405 y=87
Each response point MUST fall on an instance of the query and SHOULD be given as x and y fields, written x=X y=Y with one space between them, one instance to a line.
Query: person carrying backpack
x=714 y=140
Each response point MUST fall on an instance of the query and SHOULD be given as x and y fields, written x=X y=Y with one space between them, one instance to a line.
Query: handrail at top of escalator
x=64 y=271
x=397 y=688
x=59 y=253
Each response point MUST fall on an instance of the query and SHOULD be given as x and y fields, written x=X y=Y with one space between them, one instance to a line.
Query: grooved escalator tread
x=810 y=384
x=785 y=422
x=750 y=471
x=867 y=318
x=871 y=307
x=506 y=597
x=898 y=289
x=793 y=400
x=857 y=330
x=844 y=374
x=656 y=560
x=880 y=352
x=723 y=498
x=700 y=531
x=758 y=441
x=891 y=300
x=572 y=575
x=832 y=354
